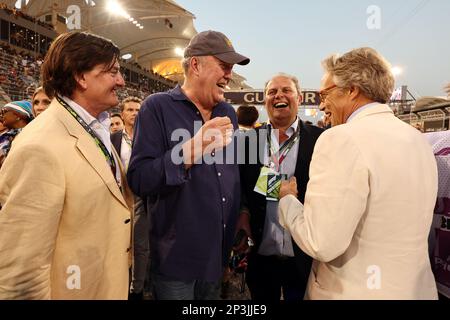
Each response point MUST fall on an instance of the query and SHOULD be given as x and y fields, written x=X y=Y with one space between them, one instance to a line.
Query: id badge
x=274 y=186
x=269 y=183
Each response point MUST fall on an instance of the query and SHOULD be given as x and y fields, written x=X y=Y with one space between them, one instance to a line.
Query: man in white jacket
x=372 y=190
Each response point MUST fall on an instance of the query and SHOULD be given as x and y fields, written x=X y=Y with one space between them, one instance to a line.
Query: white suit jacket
x=368 y=210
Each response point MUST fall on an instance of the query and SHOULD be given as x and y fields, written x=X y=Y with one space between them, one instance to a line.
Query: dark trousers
x=267 y=277
x=166 y=288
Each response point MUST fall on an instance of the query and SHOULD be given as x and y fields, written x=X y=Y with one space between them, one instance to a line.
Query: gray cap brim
x=233 y=58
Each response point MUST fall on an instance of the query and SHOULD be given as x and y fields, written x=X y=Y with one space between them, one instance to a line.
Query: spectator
x=116 y=123
x=247 y=117
x=123 y=139
x=275 y=265
x=14 y=116
x=40 y=101
x=65 y=221
x=366 y=216
x=195 y=202
x=439 y=240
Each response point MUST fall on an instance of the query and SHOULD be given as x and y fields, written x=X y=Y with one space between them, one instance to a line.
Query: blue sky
x=293 y=36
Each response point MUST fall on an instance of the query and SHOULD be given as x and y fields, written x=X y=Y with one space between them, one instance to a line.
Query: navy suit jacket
x=116 y=140
x=256 y=203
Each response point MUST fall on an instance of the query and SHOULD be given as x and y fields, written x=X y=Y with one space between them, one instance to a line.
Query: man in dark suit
x=275 y=263
x=122 y=140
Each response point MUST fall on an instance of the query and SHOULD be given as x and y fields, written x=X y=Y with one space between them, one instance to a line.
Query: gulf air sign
x=310 y=98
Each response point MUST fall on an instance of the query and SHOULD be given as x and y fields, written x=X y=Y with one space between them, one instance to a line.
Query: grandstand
x=430 y=113
x=150 y=33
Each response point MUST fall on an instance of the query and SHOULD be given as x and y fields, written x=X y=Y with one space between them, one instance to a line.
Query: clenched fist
x=215 y=134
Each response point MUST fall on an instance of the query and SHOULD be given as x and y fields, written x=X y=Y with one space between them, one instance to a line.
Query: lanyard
x=127 y=138
x=275 y=162
x=108 y=156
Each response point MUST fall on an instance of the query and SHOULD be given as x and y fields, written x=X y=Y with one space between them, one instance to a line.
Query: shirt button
x=224 y=226
x=223 y=199
x=219 y=174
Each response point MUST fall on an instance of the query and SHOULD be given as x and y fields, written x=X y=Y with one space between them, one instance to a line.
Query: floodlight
x=396 y=71
x=179 y=51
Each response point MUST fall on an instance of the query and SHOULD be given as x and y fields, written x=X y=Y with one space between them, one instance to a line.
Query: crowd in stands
x=20 y=67
x=17 y=13
x=19 y=72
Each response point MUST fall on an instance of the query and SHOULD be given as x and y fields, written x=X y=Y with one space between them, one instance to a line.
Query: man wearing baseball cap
x=213 y=43
x=193 y=194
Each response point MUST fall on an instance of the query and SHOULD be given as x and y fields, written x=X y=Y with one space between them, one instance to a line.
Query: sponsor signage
x=310 y=98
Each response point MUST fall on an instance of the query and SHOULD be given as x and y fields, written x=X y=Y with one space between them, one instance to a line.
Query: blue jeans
x=166 y=288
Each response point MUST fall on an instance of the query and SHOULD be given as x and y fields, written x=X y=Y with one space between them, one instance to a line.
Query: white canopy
x=157 y=45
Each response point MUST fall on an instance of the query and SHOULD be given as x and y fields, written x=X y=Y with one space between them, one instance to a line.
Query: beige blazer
x=65 y=226
x=368 y=210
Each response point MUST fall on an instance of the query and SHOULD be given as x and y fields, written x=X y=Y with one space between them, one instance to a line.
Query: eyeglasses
x=325 y=92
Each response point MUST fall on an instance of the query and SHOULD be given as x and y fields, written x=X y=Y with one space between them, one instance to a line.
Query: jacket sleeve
x=32 y=196
x=335 y=199
x=152 y=169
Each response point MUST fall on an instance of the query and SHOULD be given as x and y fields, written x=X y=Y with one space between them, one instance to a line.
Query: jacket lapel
x=88 y=148
x=305 y=150
x=126 y=191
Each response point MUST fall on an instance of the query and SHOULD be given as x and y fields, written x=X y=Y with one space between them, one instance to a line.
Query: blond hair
x=129 y=99
x=364 y=68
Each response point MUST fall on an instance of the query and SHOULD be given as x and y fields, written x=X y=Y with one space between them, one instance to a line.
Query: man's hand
x=289 y=187
x=215 y=134
x=243 y=223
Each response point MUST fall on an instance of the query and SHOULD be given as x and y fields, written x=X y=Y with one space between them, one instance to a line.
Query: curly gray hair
x=364 y=68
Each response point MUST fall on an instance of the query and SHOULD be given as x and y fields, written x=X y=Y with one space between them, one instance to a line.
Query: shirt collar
x=292 y=128
x=178 y=94
x=367 y=106
x=103 y=117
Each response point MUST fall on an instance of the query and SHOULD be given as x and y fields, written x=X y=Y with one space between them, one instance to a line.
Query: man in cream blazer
x=65 y=221
x=372 y=190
